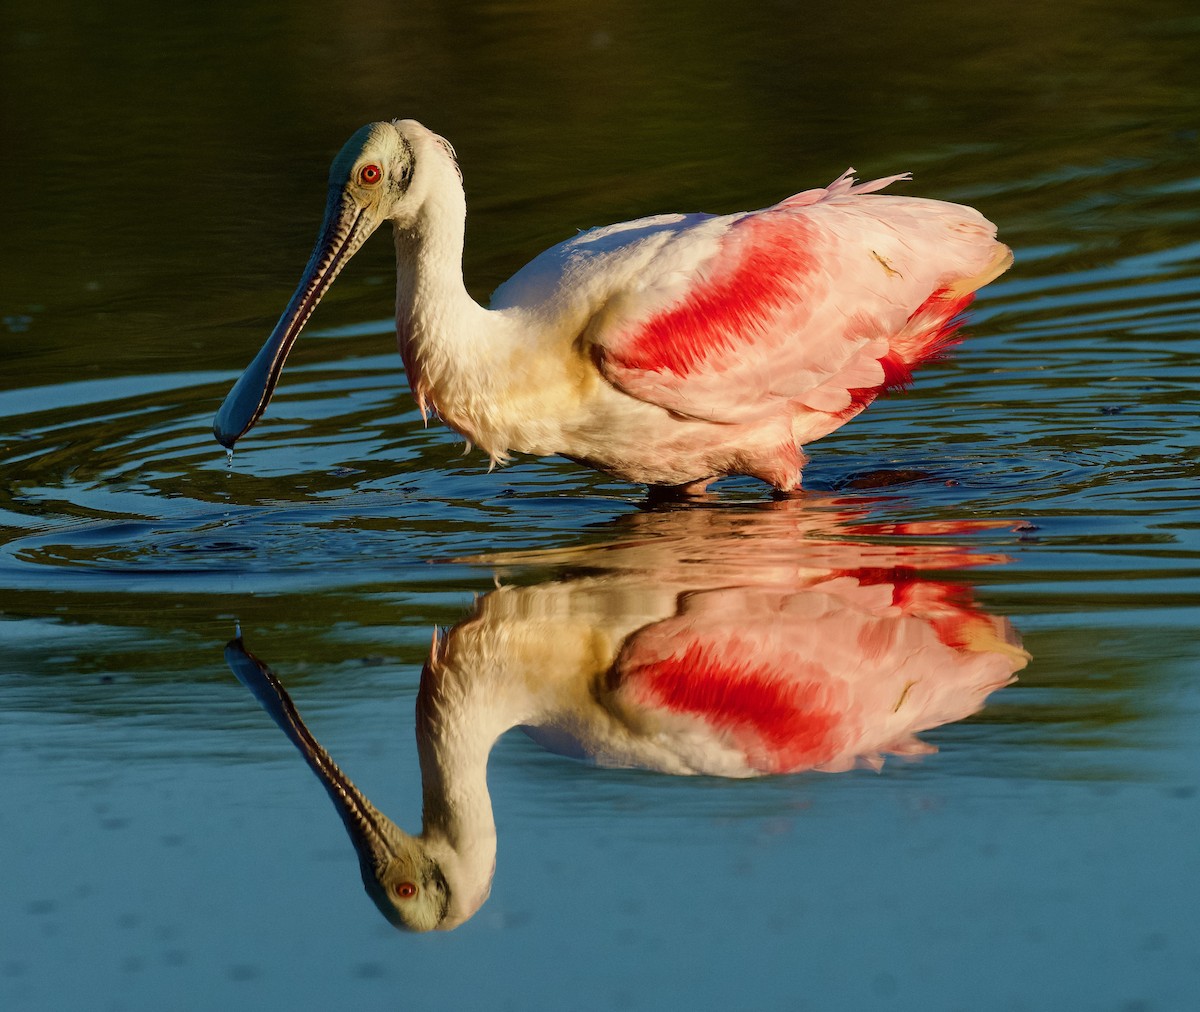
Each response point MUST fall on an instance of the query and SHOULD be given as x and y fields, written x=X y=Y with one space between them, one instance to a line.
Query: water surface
x=163 y=846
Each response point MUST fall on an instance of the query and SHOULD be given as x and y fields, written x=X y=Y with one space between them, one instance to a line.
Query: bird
x=668 y=351
x=721 y=643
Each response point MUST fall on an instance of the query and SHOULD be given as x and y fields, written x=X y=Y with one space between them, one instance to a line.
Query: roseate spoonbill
x=670 y=350
x=664 y=653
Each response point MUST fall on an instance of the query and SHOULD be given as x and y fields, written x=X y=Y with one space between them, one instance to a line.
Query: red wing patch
x=782 y=720
x=930 y=330
x=759 y=271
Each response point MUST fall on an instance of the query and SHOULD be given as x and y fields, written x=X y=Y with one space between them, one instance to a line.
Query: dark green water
x=161 y=844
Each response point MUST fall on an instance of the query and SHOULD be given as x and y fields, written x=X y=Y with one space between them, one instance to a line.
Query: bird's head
x=400 y=872
x=388 y=171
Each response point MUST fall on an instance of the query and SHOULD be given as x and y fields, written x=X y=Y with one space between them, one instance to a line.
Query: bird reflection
x=724 y=642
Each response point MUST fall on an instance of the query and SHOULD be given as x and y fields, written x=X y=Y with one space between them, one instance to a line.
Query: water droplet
x=229 y=458
x=237 y=628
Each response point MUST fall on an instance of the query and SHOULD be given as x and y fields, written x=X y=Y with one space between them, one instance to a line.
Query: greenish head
x=387 y=171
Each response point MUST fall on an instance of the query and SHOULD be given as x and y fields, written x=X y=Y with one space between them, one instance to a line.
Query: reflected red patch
x=949 y=609
x=782 y=721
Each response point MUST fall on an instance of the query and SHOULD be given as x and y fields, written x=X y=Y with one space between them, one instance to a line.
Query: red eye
x=406 y=890
x=370 y=174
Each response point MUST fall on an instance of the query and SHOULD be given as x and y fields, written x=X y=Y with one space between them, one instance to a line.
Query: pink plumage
x=670 y=350
x=677 y=648
x=823 y=678
x=674 y=649
x=776 y=325
x=776 y=716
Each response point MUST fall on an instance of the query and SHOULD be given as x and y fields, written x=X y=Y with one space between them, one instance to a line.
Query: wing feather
x=816 y=303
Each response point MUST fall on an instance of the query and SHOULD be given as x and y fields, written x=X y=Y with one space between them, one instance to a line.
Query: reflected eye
x=370 y=174
x=405 y=890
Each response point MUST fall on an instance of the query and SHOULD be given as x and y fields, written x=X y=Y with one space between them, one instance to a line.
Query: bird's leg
x=679 y=493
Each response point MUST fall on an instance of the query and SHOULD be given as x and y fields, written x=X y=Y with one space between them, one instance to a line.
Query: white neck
x=457 y=821
x=457 y=805
x=457 y=725
x=482 y=371
x=435 y=316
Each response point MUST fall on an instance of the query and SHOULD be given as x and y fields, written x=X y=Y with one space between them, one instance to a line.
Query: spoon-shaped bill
x=379 y=843
x=362 y=819
x=345 y=228
x=402 y=874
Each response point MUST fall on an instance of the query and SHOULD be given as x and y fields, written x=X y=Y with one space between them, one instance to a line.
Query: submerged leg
x=781 y=469
x=679 y=493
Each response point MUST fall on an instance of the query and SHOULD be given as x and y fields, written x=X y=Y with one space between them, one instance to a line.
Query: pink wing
x=823 y=678
x=819 y=302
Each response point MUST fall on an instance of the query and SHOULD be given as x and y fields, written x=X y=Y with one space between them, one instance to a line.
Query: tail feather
x=933 y=326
